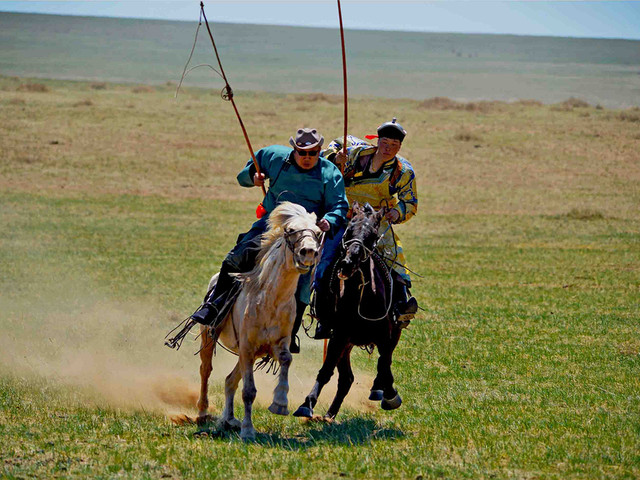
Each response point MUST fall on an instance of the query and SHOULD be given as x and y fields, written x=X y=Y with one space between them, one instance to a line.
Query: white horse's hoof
x=204 y=419
x=278 y=409
x=303 y=411
x=375 y=395
x=391 y=404
x=231 y=424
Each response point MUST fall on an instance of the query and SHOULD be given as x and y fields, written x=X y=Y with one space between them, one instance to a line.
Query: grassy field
x=306 y=60
x=117 y=203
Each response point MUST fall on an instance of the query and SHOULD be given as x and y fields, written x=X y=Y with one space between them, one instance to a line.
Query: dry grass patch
x=631 y=115
x=318 y=97
x=583 y=214
x=99 y=85
x=87 y=102
x=529 y=103
x=569 y=104
x=576 y=103
x=143 y=89
x=17 y=101
x=439 y=103
x=466 y=136
x=33 y=87
x=444 y=103
x=629 y=348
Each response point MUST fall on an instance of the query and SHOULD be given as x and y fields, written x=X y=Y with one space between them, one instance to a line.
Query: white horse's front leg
x=228 y=419
x=280 y=401
x=249 y=391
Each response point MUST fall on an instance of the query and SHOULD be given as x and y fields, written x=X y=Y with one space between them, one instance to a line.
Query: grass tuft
x=630 y=348
x=87 y=102
x=573 y=102
x=319 y=97
x=444 y=103
x=529 y=103
x=583 y=214
x=143 y=89
x=631 y=115
x=33 y=87
x=467 y=136
x=439 y=103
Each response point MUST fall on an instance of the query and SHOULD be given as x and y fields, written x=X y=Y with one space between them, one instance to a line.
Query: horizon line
x=325 y=27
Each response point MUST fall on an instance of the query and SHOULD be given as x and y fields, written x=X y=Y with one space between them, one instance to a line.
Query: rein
x=387 y=276
x=374 y=258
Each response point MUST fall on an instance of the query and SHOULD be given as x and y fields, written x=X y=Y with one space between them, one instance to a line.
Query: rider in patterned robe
x=379 y=176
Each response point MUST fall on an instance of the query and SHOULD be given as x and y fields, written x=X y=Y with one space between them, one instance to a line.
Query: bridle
x=368 y=251
x=306 y=232
x=345 y=244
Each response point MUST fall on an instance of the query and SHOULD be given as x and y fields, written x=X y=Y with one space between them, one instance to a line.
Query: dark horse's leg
x=335 y=351
x=345 y=380
x=384 y=380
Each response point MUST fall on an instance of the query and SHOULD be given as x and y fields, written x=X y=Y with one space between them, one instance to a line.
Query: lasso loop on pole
x=227 y=91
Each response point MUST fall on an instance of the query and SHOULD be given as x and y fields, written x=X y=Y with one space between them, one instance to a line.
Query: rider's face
x=388 y=147
x=307 y=159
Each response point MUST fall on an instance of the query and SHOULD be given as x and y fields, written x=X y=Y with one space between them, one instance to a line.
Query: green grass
x=524 y=364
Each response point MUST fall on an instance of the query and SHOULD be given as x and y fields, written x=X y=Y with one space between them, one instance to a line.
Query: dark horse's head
x=359 y=239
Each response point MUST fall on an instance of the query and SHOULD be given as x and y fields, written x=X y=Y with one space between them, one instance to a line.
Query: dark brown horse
x=355 y=298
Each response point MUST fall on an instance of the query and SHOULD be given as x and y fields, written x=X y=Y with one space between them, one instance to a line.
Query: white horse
x=261 y=320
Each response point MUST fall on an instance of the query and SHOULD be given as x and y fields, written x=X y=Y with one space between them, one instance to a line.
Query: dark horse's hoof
x=375 y=395
x=391 y=404
x=303 y=411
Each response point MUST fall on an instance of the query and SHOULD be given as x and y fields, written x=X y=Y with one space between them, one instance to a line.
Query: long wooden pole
x=346 y=118
x=344 y=85
x=229 y=92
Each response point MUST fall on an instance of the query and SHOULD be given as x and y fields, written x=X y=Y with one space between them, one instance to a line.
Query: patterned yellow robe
x=393 y=185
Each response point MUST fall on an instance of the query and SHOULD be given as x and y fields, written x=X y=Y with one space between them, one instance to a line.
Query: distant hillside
x=293 y=59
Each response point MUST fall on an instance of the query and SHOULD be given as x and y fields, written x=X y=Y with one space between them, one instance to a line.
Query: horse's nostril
x=304 y=251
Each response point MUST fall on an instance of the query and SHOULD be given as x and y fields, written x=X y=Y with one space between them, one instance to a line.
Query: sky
x=598 y=19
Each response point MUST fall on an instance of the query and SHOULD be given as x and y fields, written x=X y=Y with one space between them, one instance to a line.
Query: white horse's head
x=301 y=234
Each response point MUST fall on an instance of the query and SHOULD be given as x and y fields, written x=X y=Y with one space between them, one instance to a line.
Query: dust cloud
x=112 y=353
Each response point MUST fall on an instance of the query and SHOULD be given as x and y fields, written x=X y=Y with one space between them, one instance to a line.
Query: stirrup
x=206 y=315
x=406 y=312
x=322 y=332
x=295 y=344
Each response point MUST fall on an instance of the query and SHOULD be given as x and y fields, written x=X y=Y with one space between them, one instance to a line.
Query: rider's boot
x=295 y=339
x=406 y=306
x=215 y=301
x=322 y=331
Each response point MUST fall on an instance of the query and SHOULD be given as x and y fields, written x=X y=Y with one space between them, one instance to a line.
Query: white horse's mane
x=286 y=216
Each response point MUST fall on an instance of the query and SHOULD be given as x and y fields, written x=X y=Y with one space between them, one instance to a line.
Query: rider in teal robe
x=319 y=189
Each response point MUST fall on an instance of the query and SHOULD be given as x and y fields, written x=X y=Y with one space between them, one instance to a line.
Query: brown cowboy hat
x=306 y=139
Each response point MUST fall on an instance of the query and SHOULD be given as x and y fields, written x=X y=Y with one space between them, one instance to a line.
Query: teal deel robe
x=319 y=190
